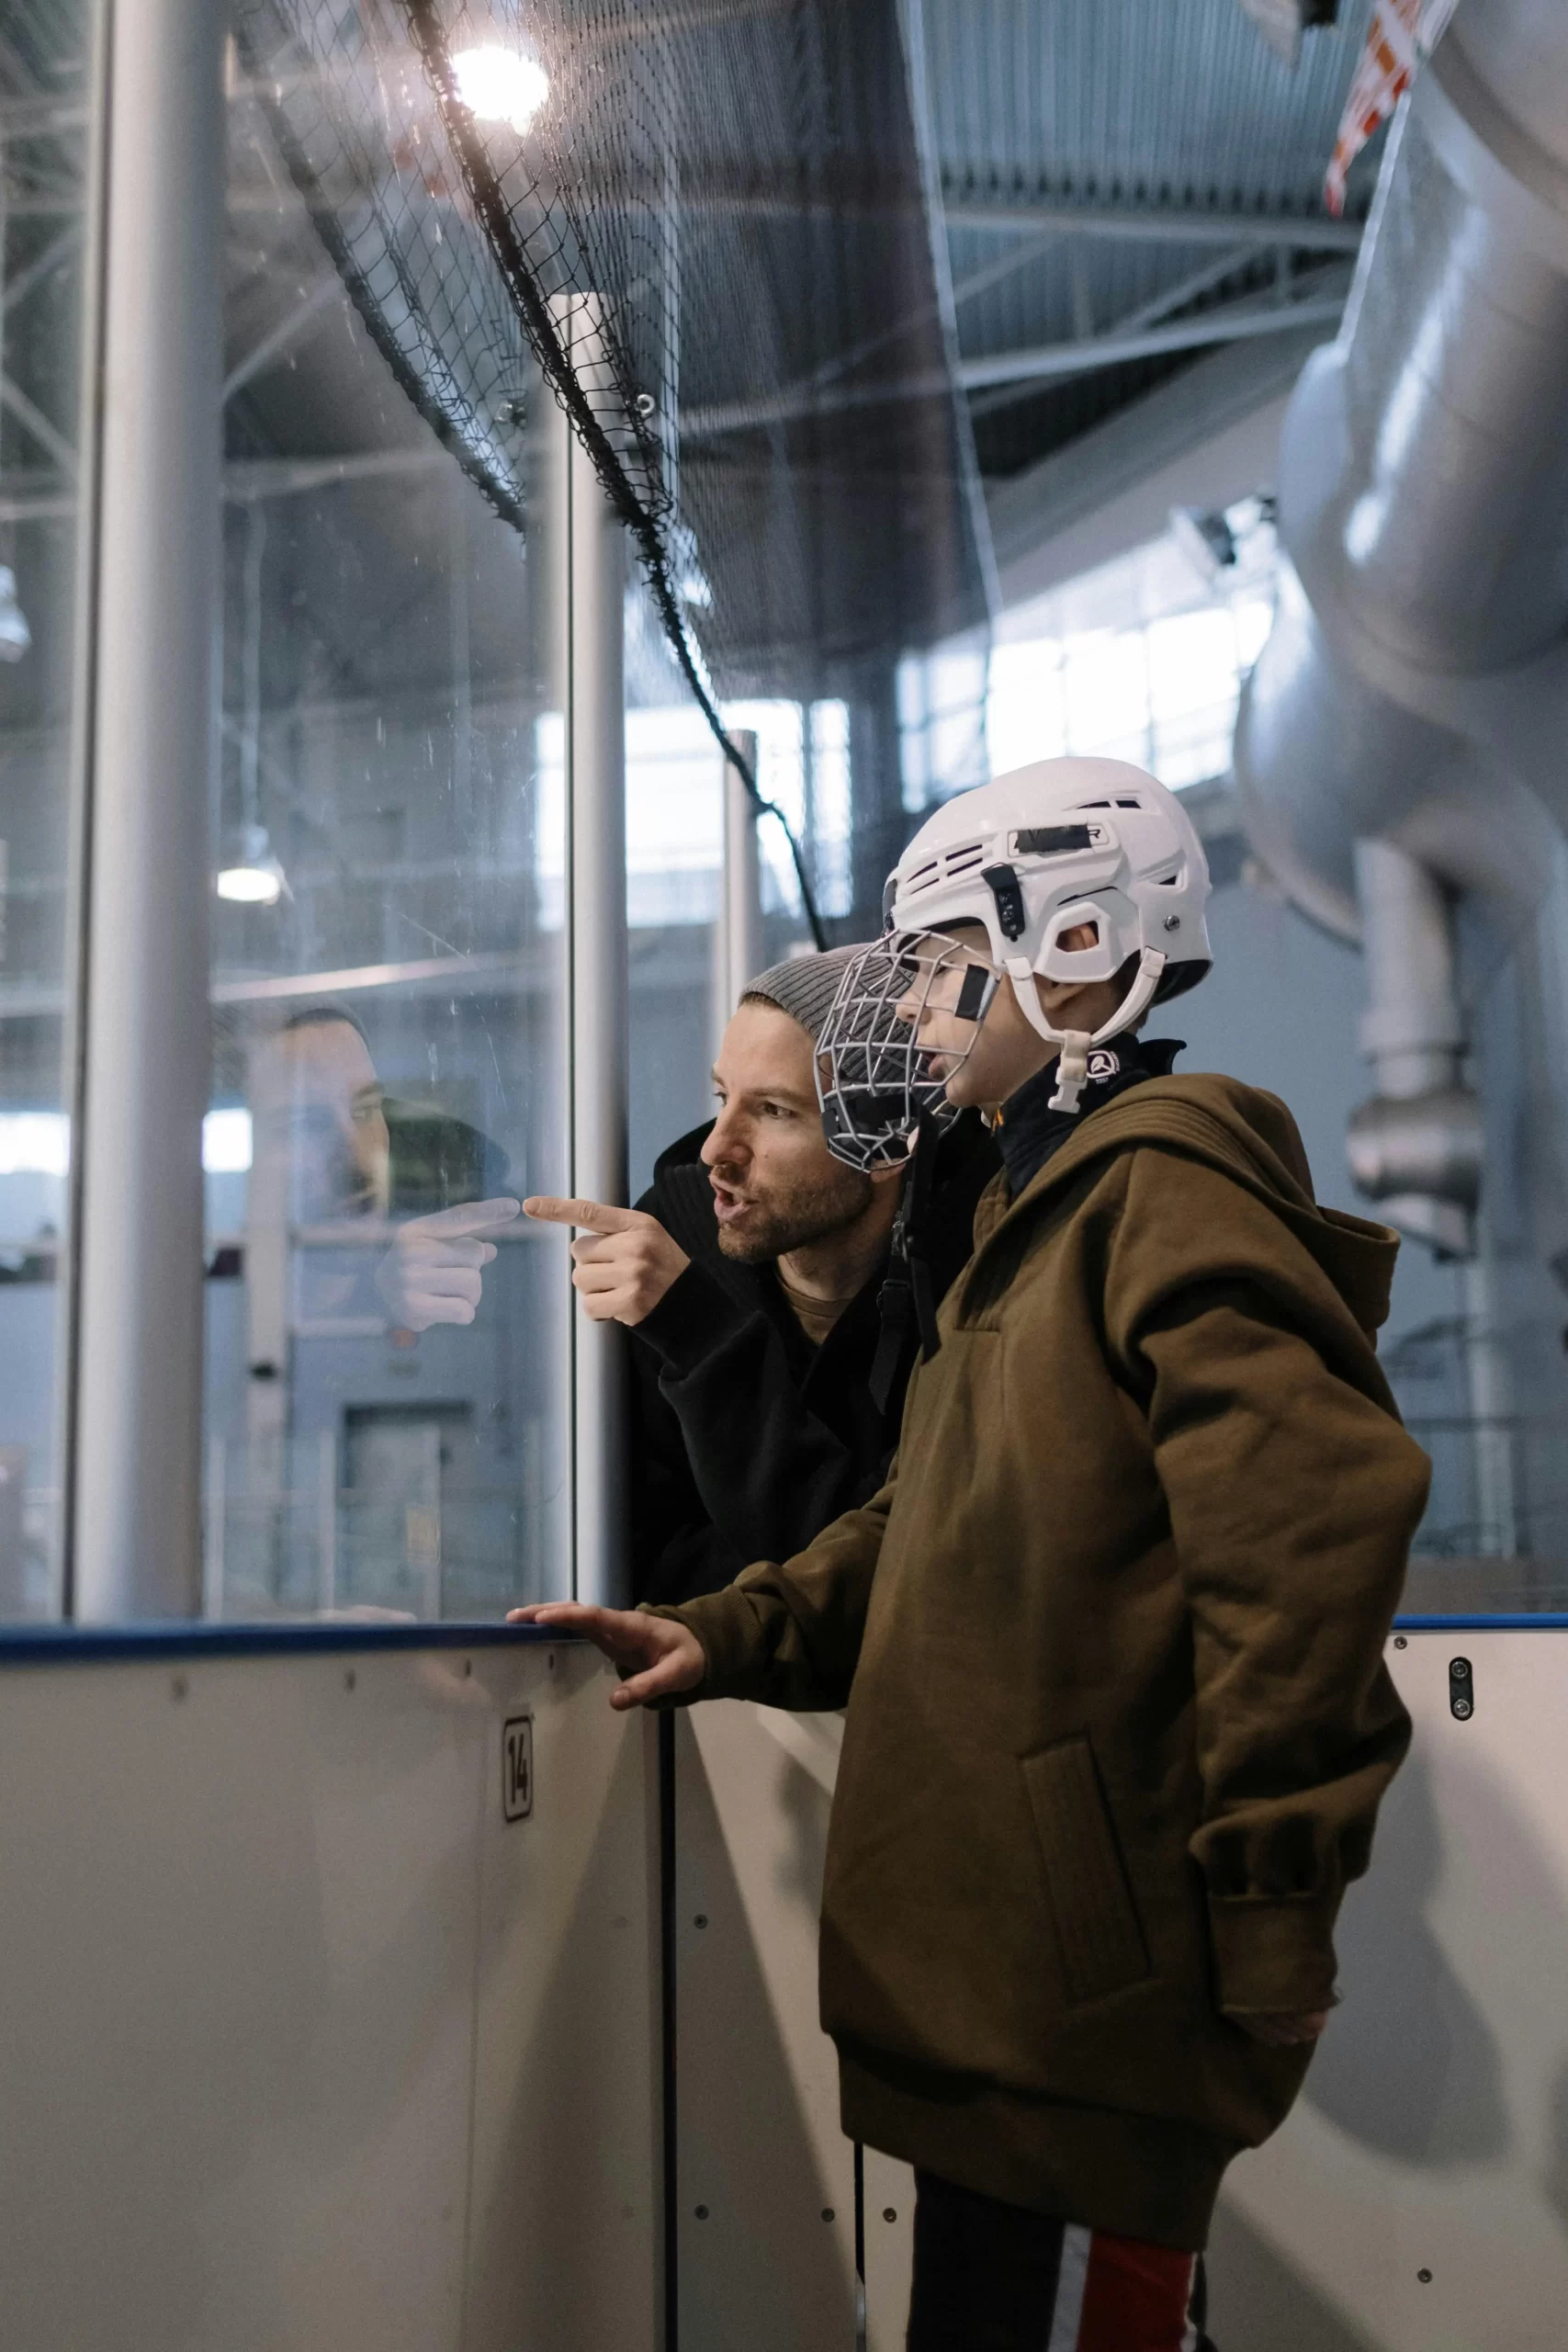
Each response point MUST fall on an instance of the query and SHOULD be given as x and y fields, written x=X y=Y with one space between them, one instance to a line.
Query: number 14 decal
x=517 y=1767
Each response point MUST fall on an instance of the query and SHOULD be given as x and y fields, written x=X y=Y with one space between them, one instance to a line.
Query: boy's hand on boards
x=655 y=1657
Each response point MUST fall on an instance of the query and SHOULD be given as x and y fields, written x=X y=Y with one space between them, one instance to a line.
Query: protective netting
x=701 y=226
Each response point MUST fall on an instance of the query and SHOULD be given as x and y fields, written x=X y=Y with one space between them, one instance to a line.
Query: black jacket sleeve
x=732 y=1465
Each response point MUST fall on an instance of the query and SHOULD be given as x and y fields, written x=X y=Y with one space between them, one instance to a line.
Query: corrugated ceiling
x=1115 y=107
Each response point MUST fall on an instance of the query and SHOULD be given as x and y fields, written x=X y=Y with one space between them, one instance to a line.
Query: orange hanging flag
x=1381 y=79
x=1400 y=32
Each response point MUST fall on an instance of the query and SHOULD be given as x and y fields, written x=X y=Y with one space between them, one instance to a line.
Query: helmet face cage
x=874 y=1080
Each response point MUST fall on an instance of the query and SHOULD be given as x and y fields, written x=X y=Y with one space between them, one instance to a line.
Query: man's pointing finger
x=593 y=1215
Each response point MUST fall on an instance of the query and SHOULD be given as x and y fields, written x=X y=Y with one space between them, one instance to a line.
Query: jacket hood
x=1247 y=1135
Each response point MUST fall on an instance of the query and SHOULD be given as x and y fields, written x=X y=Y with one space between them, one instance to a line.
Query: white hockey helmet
x=1045 y=850
x=1049 y=848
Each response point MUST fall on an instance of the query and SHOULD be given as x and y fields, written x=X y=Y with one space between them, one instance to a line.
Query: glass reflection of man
x=317 y=1107
x=323 y=1154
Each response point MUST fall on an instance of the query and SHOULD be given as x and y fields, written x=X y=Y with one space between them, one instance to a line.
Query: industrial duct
x=1400 y=744
x=1416 y=1147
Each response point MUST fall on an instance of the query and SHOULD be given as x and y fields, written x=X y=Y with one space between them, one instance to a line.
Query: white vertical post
x=216 y=1527
x=137 y=1467
x=738 y=933
x=594 y=702
x=326 y=1521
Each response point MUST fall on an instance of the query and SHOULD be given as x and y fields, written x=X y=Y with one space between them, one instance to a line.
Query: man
x=769 y=1352
x=1111 y=1638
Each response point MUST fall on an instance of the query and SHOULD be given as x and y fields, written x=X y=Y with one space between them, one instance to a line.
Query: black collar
x=1030 y=1131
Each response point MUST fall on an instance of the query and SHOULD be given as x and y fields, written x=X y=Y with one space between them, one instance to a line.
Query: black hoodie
x=747 y=1438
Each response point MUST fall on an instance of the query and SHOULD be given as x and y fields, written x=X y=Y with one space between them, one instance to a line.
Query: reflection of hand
x=431 y=1273
x=654 y=1657
x=623 y=1270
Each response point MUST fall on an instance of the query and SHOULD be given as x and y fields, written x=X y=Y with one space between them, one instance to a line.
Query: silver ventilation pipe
x=1399 y=744
x=1416 y=1148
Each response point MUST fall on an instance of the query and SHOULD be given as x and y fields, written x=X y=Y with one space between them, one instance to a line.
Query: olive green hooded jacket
x=1110 y=1642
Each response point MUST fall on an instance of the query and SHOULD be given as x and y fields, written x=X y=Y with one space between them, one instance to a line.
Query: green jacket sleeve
x=1293 y=1492
x=789 y=1635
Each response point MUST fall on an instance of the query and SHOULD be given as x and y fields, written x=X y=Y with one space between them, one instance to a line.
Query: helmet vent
x=963 y=859
x=923 y=877
x=1171 y=881
x=1129 y=804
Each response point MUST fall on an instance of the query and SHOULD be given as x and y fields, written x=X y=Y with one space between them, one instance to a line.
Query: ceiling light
x=257 y=879
x=500 y=85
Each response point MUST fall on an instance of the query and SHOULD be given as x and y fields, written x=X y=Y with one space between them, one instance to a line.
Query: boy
x=1111 y=1638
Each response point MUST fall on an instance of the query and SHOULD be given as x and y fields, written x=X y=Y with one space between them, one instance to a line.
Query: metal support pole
x=595 y=702
x=738 y=933
x=137 y=1456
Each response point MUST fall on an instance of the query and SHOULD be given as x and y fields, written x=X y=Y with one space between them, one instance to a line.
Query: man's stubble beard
x=805 y=1213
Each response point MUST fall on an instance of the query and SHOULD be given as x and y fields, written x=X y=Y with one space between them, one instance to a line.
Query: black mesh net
x=702 y=224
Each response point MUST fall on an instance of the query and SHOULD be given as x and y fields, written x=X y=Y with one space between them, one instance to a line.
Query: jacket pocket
x=1101 y=1943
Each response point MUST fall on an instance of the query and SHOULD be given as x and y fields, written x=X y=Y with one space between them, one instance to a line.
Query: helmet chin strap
x=1075 y=1044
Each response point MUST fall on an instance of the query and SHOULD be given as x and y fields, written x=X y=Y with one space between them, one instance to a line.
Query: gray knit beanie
x=804 y=987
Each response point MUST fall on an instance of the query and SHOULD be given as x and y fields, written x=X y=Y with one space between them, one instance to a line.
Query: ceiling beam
x=1152 y=224
x=1150 y=314
x=1230 y=323
x=1018 y=256
x=284 y=332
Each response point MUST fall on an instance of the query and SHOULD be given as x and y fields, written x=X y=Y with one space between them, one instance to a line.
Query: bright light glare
x=37 y=1143
x=500 y=85
x=226 y=1142
x=251 y=885
x=34 y=1143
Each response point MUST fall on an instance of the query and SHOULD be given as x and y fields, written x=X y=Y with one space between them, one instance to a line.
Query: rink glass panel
x=389 y=1001
x=51 y=125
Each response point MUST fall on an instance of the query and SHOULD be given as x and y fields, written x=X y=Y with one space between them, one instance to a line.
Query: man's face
x=316 y=1104
x=776 y=1187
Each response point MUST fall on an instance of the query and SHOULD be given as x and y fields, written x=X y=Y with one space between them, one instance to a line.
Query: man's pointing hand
x=624 y=1264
